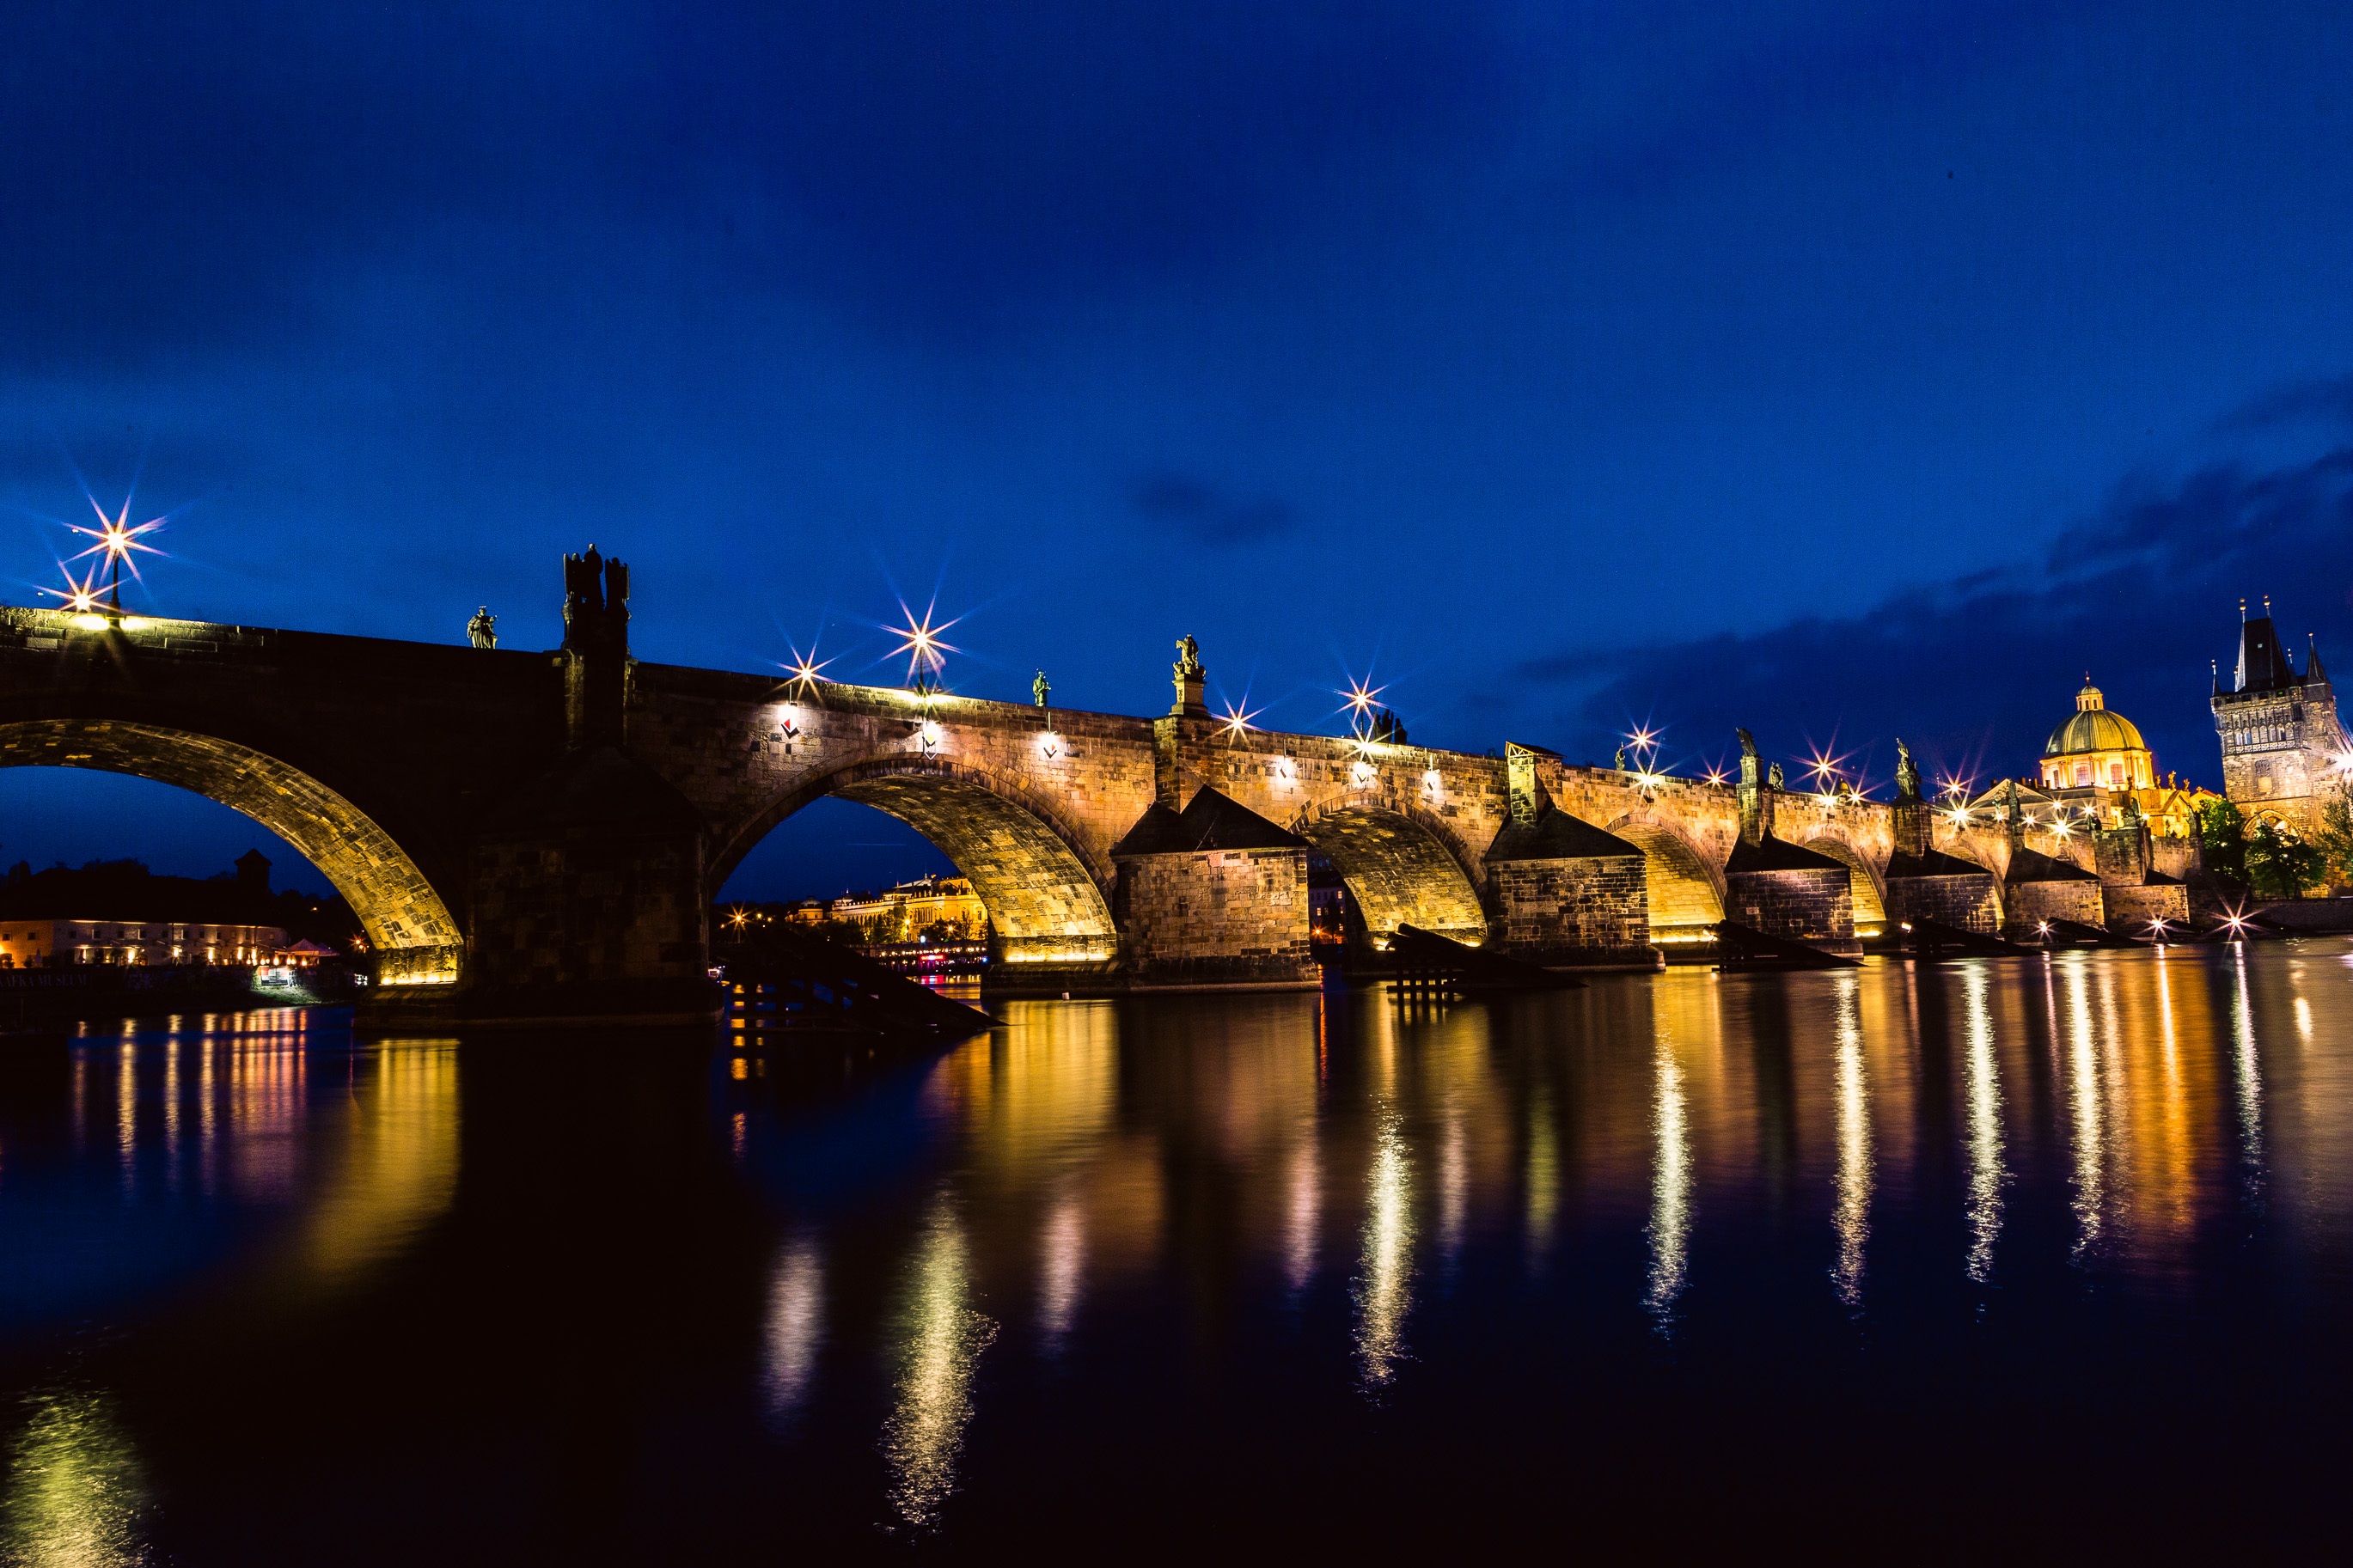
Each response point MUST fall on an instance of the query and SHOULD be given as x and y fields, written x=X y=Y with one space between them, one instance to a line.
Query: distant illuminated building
x=2093 y=763
x=905 y=912
x=69 y=944
x=2281 y=742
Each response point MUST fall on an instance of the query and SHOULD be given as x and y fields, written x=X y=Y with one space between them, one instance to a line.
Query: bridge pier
x=1560 y=891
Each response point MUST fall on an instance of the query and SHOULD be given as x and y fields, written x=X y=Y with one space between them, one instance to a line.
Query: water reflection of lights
x=2088 y=1112
x=1670 y=1178
x=1305 y=1211
x=795 y=1325
x=76 y=1491
x=943 y=1341
x=1544 y=1173
x=1852 y=1214
x=1981 y=1088
x=1453 y=1184
x=1062 y=1259
x=2248 y=1071
x=1382 y=1297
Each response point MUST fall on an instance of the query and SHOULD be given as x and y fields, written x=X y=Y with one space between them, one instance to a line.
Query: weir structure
x=537 y=836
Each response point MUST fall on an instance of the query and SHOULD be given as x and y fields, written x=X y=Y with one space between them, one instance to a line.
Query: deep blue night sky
x=1845 y=371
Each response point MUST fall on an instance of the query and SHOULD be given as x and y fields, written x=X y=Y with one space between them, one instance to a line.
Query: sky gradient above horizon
x=1842 y=369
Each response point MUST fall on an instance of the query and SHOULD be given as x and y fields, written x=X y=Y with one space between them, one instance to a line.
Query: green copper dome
x=2092 y=729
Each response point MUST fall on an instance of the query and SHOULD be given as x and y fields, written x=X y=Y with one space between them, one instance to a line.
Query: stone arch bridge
x=540 y=835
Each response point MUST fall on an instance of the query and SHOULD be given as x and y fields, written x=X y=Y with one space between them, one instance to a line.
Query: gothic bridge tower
x=2279 y=728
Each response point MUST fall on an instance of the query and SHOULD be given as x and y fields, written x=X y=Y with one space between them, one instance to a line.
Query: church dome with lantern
x=2096 y=749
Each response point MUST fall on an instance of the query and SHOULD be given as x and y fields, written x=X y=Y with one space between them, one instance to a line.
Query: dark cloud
x=1206 y=515
x=1974 y=673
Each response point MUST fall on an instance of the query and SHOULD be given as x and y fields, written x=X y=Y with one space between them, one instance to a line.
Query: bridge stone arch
x=408 y=921
x=1045 y=888
x=1401 y=865
x=1684 y=886
x=1869 y=888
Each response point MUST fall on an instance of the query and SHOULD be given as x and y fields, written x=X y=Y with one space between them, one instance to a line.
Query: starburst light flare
x=806 y=670
x=118 y=543
x=1238 y=720
x=921 y=642
x=80 y=594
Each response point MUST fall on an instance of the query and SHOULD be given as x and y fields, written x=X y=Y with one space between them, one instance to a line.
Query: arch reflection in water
x=941 y=1342
x=77 y=1492
x=1982 y=1090
x=1383 y=1297
x=795 y=1325
x=1851 y=1215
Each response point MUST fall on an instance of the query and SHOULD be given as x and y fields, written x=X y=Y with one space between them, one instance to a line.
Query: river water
x=1987 y=1257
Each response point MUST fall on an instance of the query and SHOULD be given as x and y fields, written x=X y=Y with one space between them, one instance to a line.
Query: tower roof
x=2263 y=664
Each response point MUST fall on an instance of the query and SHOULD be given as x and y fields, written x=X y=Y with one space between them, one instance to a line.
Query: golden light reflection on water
x=1981 y=1097
x=76 y=1496
x=1383 y=1297
x=941 y=1340
x=1970 y=1114
x=2088 y=1114
x=1852 y=1217
x=392 y=1160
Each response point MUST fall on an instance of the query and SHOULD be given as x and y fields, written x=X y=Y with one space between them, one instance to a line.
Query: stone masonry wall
x=2033 y=901
x=2130 y=910
x=1966 y=901
x=1591 y=910
x=1815 y=907
x=1223 y=916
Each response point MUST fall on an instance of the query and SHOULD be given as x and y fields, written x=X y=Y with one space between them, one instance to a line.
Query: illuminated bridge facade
x=540 y=835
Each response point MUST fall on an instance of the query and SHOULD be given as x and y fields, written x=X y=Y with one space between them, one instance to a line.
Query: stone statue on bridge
x=482 y=631
x=1774 y=778
x=1040 y=690
x=1619 y=761
x=1188 y=658
x=1907 y=772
